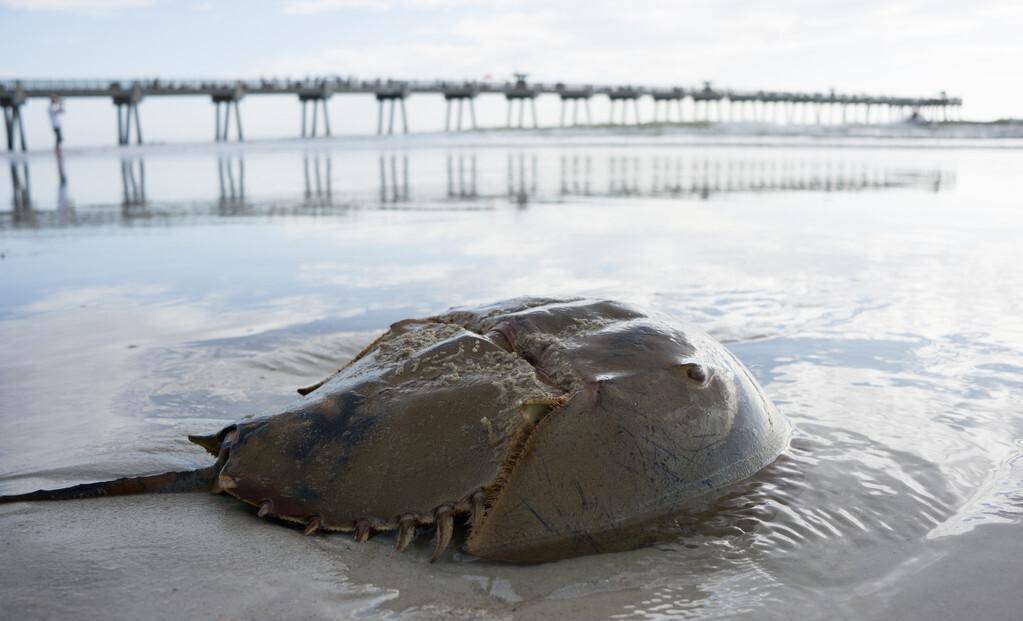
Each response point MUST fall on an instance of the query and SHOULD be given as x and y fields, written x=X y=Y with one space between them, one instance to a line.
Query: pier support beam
x=391 y=97
x=572 y=96
x=460 y=103
x=226 y=100
x=667 y=97
x=310 y=125
x=574 y=102
x=126 y=112
x=127 y=105
x=706 y=94
x=520 y=102
x=624 y=96
x=520 y=92
x=223 y=124
x=464 y=95
x=705 y=116
x=14 y=124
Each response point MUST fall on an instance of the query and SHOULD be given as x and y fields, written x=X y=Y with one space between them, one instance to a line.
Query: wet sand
x=175 y=557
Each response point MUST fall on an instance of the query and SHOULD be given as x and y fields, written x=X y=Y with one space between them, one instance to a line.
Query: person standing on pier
x=56 y=110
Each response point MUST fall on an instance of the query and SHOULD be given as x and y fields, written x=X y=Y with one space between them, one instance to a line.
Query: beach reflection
x=21 y=196
x=394 y=179
x=133 y=183
x=310 y=183
x=318 y=182
x=231 y=175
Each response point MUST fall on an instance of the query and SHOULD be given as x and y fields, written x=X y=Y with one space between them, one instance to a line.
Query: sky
x=969 y=49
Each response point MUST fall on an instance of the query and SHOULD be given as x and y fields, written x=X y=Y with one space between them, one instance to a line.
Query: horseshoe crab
x=555 y=428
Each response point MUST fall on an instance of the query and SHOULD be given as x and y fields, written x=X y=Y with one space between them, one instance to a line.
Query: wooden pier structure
x=729 y=105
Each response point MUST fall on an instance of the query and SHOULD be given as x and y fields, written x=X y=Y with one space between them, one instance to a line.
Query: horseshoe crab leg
x=445 y=529
x=362 y=531
x=406 y=532
x=478 y=509
x=312 y=526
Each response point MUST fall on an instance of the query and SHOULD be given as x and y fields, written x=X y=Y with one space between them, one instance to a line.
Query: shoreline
x=1002 y=134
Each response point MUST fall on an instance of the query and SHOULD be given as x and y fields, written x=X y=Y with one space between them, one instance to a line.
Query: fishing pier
x=700 y=104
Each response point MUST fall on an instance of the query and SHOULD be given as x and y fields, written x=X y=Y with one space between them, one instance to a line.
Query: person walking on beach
x=56 y=110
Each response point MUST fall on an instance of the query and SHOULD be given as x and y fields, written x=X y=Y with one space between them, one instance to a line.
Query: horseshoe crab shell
x=555 y=427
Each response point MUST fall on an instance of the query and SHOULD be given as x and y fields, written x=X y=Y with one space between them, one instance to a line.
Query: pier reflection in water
x=462 y=176
x=522 y=181
x=133 y=183
x=317 y=175
x=21 y=197
x=394 y=179
x=576 y=172
x=231 y=175
x=310 y=183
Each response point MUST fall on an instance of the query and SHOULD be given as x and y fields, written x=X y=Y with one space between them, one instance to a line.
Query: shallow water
x=874 y=292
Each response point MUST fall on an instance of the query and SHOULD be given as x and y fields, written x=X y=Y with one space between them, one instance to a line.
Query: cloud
x=911 y=47
x=78 y=6
x=298 y=7
x=301 y=7
x=907 y=47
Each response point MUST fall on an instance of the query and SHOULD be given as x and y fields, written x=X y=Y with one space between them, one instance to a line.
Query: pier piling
x=391 y=94
x=15 y=126
x=465 y=96
x=573 y=95
x=521 y=91
x=126 y=103
x=623 y=95
x=310 y=125
x=316 y=94
x=226 y=100
x=11 y=102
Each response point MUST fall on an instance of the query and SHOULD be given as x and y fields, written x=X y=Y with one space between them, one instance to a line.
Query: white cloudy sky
x=973 y=49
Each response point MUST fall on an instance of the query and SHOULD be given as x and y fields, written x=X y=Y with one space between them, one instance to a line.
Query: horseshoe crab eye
x=697 y=372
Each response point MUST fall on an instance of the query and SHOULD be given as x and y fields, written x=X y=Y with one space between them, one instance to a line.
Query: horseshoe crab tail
x=168 y=482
